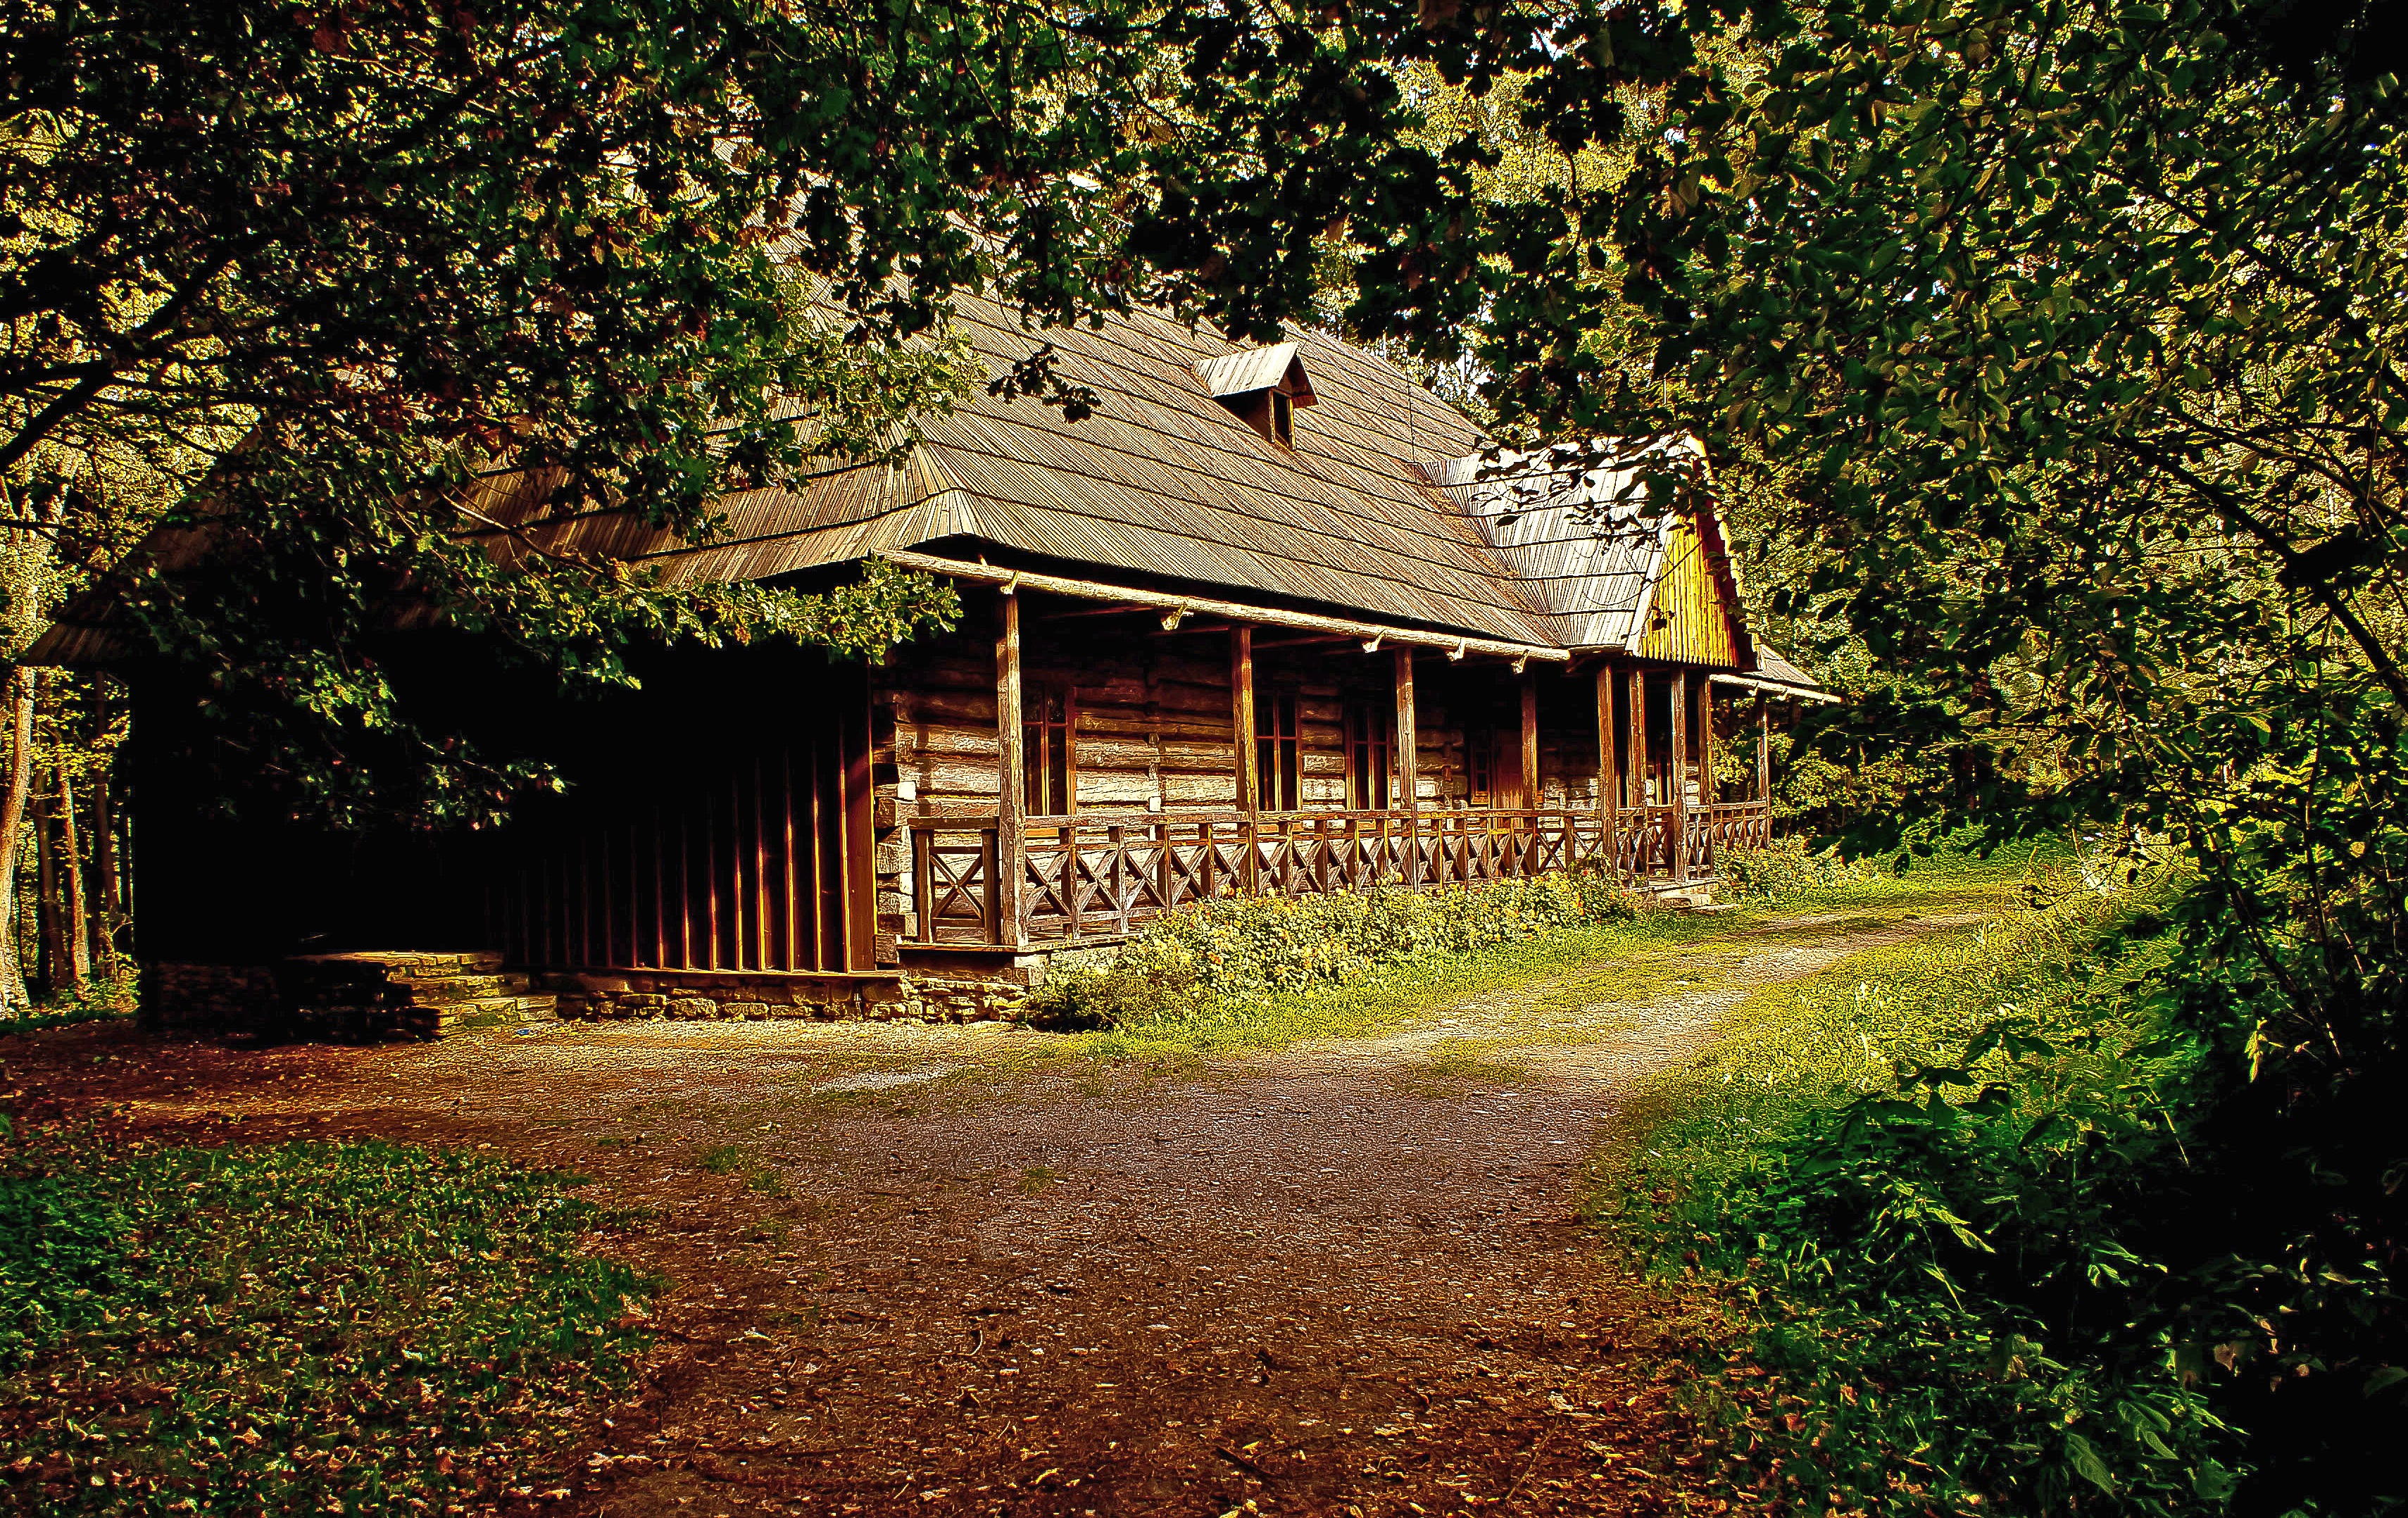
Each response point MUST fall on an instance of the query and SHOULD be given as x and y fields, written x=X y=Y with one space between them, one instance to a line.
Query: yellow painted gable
x=1690 y=620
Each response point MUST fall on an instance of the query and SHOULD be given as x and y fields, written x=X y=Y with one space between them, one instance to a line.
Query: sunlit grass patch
x=1455 y=1067
x=1909 y=1172
x=1793 y=1045
x=285 y=1330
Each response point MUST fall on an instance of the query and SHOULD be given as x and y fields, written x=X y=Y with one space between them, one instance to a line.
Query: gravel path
x=930 y=1271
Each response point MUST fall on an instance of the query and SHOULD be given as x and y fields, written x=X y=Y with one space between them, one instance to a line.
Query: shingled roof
x=1382 y=509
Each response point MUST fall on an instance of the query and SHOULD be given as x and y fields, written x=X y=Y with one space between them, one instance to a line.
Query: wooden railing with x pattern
x=1100 y=874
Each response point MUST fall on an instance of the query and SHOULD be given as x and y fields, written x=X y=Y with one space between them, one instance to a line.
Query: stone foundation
x=345 y=998
x=735 y=997
x=211 y=998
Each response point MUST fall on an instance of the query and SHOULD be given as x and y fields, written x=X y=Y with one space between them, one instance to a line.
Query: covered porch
x=1620 y=776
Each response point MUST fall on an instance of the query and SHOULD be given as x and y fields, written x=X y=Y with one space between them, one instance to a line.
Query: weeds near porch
x=1251 y=950
x=299 y=1328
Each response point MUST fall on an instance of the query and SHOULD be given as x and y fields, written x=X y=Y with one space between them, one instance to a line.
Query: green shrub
x=1924 y=1180
x=1248 y=949
x=1783 y=868
x=298 y=1328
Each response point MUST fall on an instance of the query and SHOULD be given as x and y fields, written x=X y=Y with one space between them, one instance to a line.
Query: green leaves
x=286 y=1327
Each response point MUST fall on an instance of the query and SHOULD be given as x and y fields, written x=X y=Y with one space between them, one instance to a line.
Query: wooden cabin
x=1268 y=621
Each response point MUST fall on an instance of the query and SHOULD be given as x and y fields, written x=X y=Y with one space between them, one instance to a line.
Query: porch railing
x=1100 y=874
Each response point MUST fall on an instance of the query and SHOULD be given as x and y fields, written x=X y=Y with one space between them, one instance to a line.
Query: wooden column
x=1764 y=763
x=1637 y=761
x=1609 y=779
x=1408 y=766
x=1707 y=794
x=1678 y=780
x=1003 y=881
x=1242 y=729
x=1531 y=797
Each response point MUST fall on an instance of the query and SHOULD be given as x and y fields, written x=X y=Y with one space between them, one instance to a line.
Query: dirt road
x=933 y=1270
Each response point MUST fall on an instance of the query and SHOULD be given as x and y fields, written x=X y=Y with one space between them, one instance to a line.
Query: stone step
x=400 y=964
x=493 y=1012
x=446 y=990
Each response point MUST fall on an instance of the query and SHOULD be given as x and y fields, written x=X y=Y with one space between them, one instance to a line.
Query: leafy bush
x=1943 y=1268
x=1248 y=949
x=294 y=1328
x=1783 y=868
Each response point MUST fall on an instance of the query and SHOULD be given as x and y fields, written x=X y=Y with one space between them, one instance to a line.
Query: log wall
x=1153 y=714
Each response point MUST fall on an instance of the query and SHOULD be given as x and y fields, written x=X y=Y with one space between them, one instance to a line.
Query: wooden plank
x=1003 y=885
x=793 y=958
x=1677 y=847
x=860 y=817
x=1609 y=777
x=1408 y=764
x=1244 y=751
x=1245 y=616
x=1708 y=794
x=1531 y=793
x=1764 y=760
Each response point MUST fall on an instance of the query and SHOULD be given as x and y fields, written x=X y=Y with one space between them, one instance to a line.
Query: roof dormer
x=1262 y=387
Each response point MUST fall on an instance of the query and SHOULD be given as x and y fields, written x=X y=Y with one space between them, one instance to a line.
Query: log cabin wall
x=1150 y=723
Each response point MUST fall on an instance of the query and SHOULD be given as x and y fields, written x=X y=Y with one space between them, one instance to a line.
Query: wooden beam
x=1085 y=590
x=1408 y=766
x=1637 y=717
x=1679 y=781
x=1794 y=692
x=1530 y=740
x=1532 y=798
x=1242 y=750
x=1707 y=793
x=1764 y=758
x=1609 y=777
x=1011 y=812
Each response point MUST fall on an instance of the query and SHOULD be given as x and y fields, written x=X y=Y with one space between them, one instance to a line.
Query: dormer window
x=1262 y=387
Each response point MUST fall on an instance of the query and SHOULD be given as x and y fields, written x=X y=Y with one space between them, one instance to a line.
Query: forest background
x=2049 y=356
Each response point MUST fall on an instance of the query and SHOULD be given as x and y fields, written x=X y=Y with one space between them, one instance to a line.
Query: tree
x=2074 y=332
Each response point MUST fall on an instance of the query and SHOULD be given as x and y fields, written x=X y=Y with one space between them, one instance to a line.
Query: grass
x=1386 y=997
x=102 y=1000
x=1794 y=1046
x=1911 y=1176
x=1624 y=962
x=307 y=1328
x=1455 y=1067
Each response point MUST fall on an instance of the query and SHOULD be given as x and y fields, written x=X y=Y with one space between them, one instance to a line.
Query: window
x=1283 y=419
x=1049 y=729
x=1369 y=757
x=1278 y=757
x=1478 y=773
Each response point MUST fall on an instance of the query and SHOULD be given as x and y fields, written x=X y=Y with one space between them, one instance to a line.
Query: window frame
x=1049 y=750
x=1279 y=755
x=1370 y=757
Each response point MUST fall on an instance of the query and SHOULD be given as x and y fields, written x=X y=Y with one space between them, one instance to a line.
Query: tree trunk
x=52 y=963
x=74 y=928
x=109 y=924
x=13 y=999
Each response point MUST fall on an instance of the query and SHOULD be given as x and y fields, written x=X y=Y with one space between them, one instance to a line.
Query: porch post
x=1241 y=732
x=1003 y=883
x=1609 y=780
x=1707 y=796
x=1531 y=797
x=1409 y=766
x=1637 y=717
x=1764 y=764
x=1680 y=778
